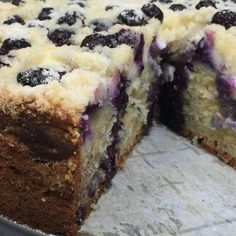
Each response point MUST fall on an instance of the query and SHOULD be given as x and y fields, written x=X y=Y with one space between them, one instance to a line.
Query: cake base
x=210 y=146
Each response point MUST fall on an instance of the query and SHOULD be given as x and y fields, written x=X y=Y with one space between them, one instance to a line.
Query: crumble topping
x=76 y=47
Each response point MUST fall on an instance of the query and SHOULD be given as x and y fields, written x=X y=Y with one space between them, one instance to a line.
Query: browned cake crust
x=212 y=147
x=45 y=194
x=38 y=186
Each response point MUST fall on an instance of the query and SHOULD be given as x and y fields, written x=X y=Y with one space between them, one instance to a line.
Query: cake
x=83 y=80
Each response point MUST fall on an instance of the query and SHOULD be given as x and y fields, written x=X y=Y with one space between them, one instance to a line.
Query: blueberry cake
x=82 y=81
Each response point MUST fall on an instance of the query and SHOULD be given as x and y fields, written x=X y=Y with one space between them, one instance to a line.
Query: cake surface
x=81 y=82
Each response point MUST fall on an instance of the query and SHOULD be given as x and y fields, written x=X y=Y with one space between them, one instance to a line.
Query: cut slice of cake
x=81 y=82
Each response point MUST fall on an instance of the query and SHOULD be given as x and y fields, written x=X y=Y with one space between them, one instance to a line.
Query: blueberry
x=81 y=214
x=80 y=3
x=2 y=64
x=93 y=40
x=35 y=23
x=151 y=10
x=109 y=7
x=124 y=36
x=68 y=18
x=226 y=18
x=45 y=13
x=162 y=1
x=13 y=44
x=205 y=3
x=99 y=25
x=132 y=18
x=107 y=166
x=36 y=76
x=17 y=2
x=60 y=37
x=14 y=19
x=177 y=7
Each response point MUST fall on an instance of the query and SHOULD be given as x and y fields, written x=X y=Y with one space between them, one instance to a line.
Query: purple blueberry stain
x=138 y=55
x=85 y=127
x=121 y=100
x=112 y=90
x=204 y=48
x=120 y=103
x=226 y=87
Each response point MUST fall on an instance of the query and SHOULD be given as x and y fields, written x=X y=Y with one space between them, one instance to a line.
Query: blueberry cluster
x=135 y=18
x=127 y=37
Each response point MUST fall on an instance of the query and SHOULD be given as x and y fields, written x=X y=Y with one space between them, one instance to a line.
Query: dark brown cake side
x=40 y=170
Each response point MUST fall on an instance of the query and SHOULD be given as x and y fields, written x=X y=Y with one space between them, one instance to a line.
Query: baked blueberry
x=17 y=2
x=93 y=40
x=109 y=7
x=125 y=36
x=36 y=76
x=14 y=19
x=45 y=13
x=226 y=18
x=13 y=44
x=80 y=3
x=162 y=1
x=68 y=18
x=2 y=64
x=99 y=25
x=151 y=10
x=132 y=18
x=60 y=37
x=177 y=7
x=36 y=23
x=205 y=3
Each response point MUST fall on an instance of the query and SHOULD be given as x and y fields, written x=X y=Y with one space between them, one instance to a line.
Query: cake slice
x=81 y=82
x=198 y=87
x=74 y=102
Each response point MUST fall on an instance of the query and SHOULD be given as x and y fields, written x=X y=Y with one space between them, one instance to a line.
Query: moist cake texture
x=81 y=83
